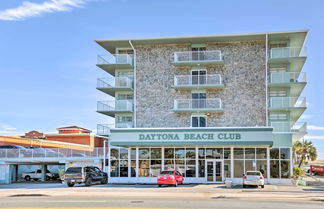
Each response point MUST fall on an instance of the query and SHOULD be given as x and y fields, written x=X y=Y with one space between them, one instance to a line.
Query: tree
x=304 y=150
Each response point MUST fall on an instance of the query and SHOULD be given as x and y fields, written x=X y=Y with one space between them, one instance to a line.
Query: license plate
x=72 y=180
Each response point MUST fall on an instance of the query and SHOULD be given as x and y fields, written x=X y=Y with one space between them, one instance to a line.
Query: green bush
x=298 y=172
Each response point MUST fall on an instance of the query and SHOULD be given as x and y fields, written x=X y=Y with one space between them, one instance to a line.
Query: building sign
x=189 y=136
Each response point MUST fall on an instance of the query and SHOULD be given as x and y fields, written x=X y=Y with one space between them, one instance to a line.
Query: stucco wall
x=243 y=74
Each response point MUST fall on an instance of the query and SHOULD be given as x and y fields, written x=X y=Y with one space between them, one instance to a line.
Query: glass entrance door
x=214 y=171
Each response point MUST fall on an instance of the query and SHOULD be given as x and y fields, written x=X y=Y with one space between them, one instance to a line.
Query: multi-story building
x=211 y=107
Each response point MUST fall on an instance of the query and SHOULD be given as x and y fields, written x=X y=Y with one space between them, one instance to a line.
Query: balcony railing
x=103 y=129
x=115 y=105
x=58 y=153
x=288 y=127
x=197 y=104
x=197 y=80
x=198 y=56
x=117 y=82
x=286 y=52
x=108 y=59
x=287 y=102
x=287 y=77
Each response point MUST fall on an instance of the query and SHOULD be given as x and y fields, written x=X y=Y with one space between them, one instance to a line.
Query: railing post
x=6 y=153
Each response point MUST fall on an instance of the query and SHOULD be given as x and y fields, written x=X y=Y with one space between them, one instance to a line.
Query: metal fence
x=115 y=59
x=115 y=105
x=188 y=104
x=287 y=77
x=287 y=102
x=197 y=80
x=284 y=52
x=192 y=56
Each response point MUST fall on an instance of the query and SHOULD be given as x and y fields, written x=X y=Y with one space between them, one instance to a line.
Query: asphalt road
x=152 y=202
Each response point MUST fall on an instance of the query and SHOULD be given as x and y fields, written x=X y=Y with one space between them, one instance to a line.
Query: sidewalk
x=277 y=192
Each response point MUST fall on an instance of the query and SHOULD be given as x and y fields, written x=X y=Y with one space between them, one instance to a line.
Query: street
x=56 y=195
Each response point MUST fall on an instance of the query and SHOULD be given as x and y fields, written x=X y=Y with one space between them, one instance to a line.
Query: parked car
x=253 y=178
x=86 y=175
x=36 y=175
x=306 y=169
x=12 y=147
x=170 y=178
x=317 y=169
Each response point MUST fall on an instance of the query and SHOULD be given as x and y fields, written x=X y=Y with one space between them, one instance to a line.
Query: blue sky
x=48 y=54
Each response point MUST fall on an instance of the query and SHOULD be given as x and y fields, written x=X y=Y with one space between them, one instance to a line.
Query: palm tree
x=304 y=150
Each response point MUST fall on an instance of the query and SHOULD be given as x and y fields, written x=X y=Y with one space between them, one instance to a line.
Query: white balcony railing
x=197 y=80
x=287 y=102
x=115 y=59
x=116 y=82
x=285 y=52
x=197 y=104
x=287 y=77
x=288 y=127
x=115 y=105
x=57 y=153
x=103 y=129
x=195 y=56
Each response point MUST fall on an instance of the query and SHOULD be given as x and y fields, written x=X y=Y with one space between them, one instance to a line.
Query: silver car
x=253 y=178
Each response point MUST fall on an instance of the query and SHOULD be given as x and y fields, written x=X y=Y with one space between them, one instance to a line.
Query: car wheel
x=70 y=184
x=176 y=184
x=88 y=181
x=27 y=178
x=48 y=178
x=104 y=181
x=262 y=186
x=160 y=185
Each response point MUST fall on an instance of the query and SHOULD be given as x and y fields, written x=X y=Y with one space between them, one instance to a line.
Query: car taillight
x=261 y=177
x=244 y=177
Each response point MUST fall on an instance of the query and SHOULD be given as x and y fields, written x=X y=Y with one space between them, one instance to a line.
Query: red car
x=170 y=177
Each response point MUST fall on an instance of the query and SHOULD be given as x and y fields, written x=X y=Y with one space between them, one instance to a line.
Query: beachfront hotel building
x=211 y=107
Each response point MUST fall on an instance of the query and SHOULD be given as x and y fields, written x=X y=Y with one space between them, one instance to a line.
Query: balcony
x=110 y=63
x=296 y=106
x=198 y=105
x=299 y=129
x=295 y=56
x=190 y=82
x=103 y=129
x=198 y=58
x=110 y=108
x=112 y=85
x=296 y=81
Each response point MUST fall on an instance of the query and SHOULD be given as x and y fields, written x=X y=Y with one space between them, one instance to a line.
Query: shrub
x=298 y=172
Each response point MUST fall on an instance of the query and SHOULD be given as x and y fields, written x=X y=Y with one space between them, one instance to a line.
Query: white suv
x=253 y=178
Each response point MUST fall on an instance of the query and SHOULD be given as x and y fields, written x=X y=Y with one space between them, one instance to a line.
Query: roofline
x=205 y=36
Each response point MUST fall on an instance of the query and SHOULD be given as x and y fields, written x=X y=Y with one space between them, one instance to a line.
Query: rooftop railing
x=116 y=82
x=285 y=52
x=194 y=56
x=50 y=153
x=115 y=105
x=197 y=104
x=287 y=77
x=197 y=80
x=103 y=129
x=287 y=102
x=115 y=59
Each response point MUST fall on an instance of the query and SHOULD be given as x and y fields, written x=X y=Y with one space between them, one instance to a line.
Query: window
x=198 y=121
x=280 y=163
x=198 y=100
x=198 y=53
x=198 y=77
x=278 y=69
x=278 y=116
x=125 y=51
x=125 y=97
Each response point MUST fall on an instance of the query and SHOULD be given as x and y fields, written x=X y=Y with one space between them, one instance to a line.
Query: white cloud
x=314 y=137
x=29 y=9
x=306 y=116
x=313 y=127
x=6 y=129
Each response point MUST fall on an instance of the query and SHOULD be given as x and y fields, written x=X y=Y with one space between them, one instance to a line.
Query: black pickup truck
x=87 y=175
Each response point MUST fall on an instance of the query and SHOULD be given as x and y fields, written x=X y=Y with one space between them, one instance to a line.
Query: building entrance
x=214 y=171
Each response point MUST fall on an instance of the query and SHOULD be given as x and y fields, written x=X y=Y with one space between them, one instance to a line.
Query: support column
x=232 y=162
x=291 y=162
x=197 y=164
x=43 y=169
x=137 y=162
x=162 y=156
x=268 y=165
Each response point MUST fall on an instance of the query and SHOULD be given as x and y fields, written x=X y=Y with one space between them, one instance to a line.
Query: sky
x=48 y=54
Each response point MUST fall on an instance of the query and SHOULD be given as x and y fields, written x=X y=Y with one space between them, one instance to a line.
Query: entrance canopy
x=229 y=136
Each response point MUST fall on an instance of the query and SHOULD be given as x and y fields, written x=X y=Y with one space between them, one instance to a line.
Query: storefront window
x=144 y=153
x=261 y=153
x=274 y=153
x=169 y=164
x=249 y=153
x=123 y=153
x=238 y=168
x=249 y=165
x=156 y=153
x=284 y=153
x=190 y=168
x=201 y=153
x=180 y=166
x=227 y=153
x=179 y=153
x=114 y=168
x=144 y=168
x=155 y=168
x=123 y=168
x=238 y=153
x=190 y=153
x=133 y=168
x=274 y=168
x=261 y=165
x=169 y=153
x=133 y=153
x=114 y=154
x=285 y=168
x=201 y=168
x=214 y=153
x=227 y=168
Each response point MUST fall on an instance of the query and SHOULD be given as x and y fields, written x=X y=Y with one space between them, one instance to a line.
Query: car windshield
x=72 y=170
x=167 y=172
x=253 y=173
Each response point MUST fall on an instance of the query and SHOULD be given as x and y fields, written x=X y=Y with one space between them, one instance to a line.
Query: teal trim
x=191 y=143
x=247 y=129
